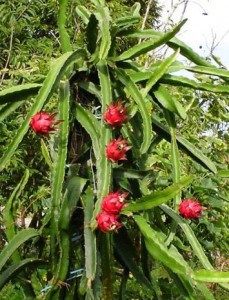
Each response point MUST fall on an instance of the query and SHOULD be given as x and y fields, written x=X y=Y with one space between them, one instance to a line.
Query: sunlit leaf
x=91 y=125
x=83 y=13
x=191 y=237
x=16 y=268
x=211 y=276
x=147 y=46
x=21 y=237
x=156 y=198
x=209 y=70
x=185 y=145
x=138 y=98
x=103 y=17
x=89 y=235
x=159 y=72
x=169 y=102
x=186 y=82
x=19 y=92
x=223 y=173
x=170 y=257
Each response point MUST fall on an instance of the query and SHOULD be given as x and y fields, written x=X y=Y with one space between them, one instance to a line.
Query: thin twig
x=146 y=14
x=21 y=14
x=184 y=10
x=145 y=17
x=9 y=54
x=173 y=9
x=215 y=44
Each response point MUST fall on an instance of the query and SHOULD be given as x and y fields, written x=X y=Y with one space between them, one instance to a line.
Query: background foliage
x=49 y=186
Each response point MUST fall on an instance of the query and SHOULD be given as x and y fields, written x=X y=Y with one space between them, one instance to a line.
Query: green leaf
x=182 y=282
x=170 y=257
x=127 y=21
x=9 y=108
x=104 y=169
x=169 y=102
x=59 y=161
x=139 y=76
x=83 y=13
x=21 y=237
x=19 y=92
x=98 y=2
x=186 y=82
x=12 y=271
x=129 y=132
x=45 y=153
x=64 y=38
x=129 y=173
x=104 y=165
x=223 y=173
x=176 y=66
x=197 y=248
x=191 y=238
x=138 y=98
x=173 y=43
x=126 y=250
x=89 y=236
x=60 y=157
x=135 y=9
x=9 y=217
x=60 y=217
x=209 y=70
x=190 y=287
x=187 y=51
x=174 y=147
x=103 y=16
x=194 y=152
x=91 y=88
x=74 y=188
x=50 y=84
x=159 y=72
x=104 y=78
x=156 y=198
x=145 y=47
x=206 y=292
x=185 y=145
x=176 y=168
x=211 y=276
x=91 y=125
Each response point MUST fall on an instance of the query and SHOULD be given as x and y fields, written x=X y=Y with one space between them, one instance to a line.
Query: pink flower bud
x=115 y=115
x=43 y=123
x=114 y=202
x=116 y=150
x=107 y=222
x=190 y=208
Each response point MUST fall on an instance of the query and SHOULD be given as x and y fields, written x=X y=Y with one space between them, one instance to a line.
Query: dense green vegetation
x=76 y=59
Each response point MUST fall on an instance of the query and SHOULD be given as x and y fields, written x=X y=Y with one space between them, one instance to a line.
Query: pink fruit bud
x=113 y=202
x=190 y=208
x=43 y=123
x=107 y=222
x=115 y=115
x=116 y=150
